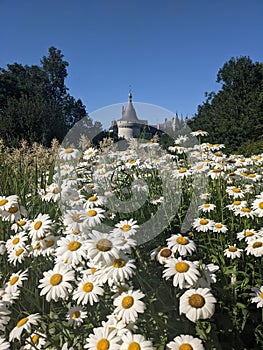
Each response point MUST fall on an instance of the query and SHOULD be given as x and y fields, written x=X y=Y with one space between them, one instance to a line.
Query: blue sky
x=169 y=51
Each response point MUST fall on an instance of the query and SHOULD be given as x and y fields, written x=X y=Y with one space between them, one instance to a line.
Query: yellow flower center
x=118 y=263
x=197 y=301
x=216 y=170
x=76 y=217
x=21 y=223
x=56 y=279
x=206 y=205
x=91 y=186
x=181 y=267
x=166 y=252
x=236 y=190
x=260 y=205
x=69 y=150
x=3 y=202
x=93 y=270
x=92 y=212
x=87 y=287
x=132 y=161
x=182 y=240
x=257 y=245
x=35 y=338
x=181 y=171
x=22 y=322
x=236 y=202
x=251 y=176
x=103 y=344
x=245 y=210
x=73 y=246
x=185 y=346
x=249 y=233
x=76 y=314
x=232 y=249
x=16 y=240
x=203 y=222
x=134 y=346
x=218 y=225
x=126 y=227
x=13 y=280
x=93 y=198
x=127 y=302
x=37 y=225
x=56 y=190
x=199 y=130
x=13 y=210
x=50 y=243
x=104 y=245
x=19 y=251
x=261 y=295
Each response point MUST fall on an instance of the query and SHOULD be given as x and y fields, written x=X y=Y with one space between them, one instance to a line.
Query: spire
x=129 y=113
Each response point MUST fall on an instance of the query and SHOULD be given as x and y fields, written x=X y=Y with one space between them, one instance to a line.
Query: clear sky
x=169 y=51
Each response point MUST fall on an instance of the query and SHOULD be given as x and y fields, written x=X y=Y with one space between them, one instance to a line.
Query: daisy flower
x=249 y=235
x=20 y=225
x=15 y=281
x=235 y=192
x=89 y=153
x=120 y=270
x=17 y=255
x=126 y=228
x=75 y=220
x=156 y=200
x=94 y=216
x=207 y=275
x=135 y=342
x=35 y=341
x=71 y=249
x=4 y=345
x=103 y=247
x=185 y=342
x=197 y=304
x=255 y=247
x=7 y=202
x=237 y=205
x=55 y=283
x=40 y=226
x=4 y=311
x=24 y=323
x=233 y=252
x=103 y=339
x=199 y=133
x=185 y=273
x=181 y=244
x=16 y=241
x=257 y=296
x=207 y=207
x=128 y=305
x=244 y=212
x=163 y=255
x=14 y=213
x=94 y=201
x=76 y=316
x=257 y=207
x=87 y=291
x=53 y=192
x=203 y=225
x=69 y=153
x=220 y=228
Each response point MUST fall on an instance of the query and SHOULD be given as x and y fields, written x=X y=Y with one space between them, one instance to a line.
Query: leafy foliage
x=234 y=115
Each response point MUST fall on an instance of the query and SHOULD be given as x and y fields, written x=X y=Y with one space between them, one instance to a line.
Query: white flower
x=69 y=153
x=203 y=225
x=121 y=269
x=197 y=304
x=76 y=316
x=15 y=281
x=129 y=305
x=257 y=296
x=235 y=192
x=185 y=273
x=163 y=255
x=181 y=244
x=87 y=291
x=35 y=341
x=135 y=342
x=126 y=228
x=220 y=228
x=233 y=252
x=4 y=345
x=16 y=241
x=186 y=342
x=103 y=339
x=71 y=249
x=255 y=247
x=94 y=216
x=55 y=284
x=41 y=226
x=207 y=207
x=24 y=323
x=257 y=206
x=199 y=133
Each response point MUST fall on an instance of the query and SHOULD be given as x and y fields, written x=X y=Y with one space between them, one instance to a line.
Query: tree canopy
x=35 y=104
x=234 y=114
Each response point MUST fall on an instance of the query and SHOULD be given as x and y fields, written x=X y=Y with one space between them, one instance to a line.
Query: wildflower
x=207 y=275
x=17 y=255
x=121 y=269
x=53 y=193
x=257 y=206
x=4 y=313
x=220 y=228
x=163 y=255
x=126 y=228
x=181 y=244
x=156 y=200
x=55 y=283
x=135 y=341
x=185 y=342
x=237 y=205
x=87 y=291
x=71 y=249
x=75 y=220
x=20 y=225
x=199 y=133
x=89 y=153
x=244 y=212
x=233 y=252
x=7 y=202
x=185 y=273
x=15 y=281
x=40 y=226
x=248 y=234
x=103 y=246
x=76 y=316
x=103 y=339
x=16 y=241
x=255 y=247
x=197 y=304
x=129 y=305
x=24 y=323
x=235 y=192
x=94 y=216
x=207 y=207
x=4 y=345
x=257 y=296
x=203 y=225
x=69 y=153
x=94 y=201
x=36 y=340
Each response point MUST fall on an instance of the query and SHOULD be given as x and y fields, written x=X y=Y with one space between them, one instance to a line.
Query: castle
x=130 y=126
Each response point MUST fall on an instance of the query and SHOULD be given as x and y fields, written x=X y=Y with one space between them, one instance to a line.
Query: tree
x=235 y=113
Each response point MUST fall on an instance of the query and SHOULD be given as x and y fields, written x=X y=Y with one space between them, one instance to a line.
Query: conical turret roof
x=129 y=113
